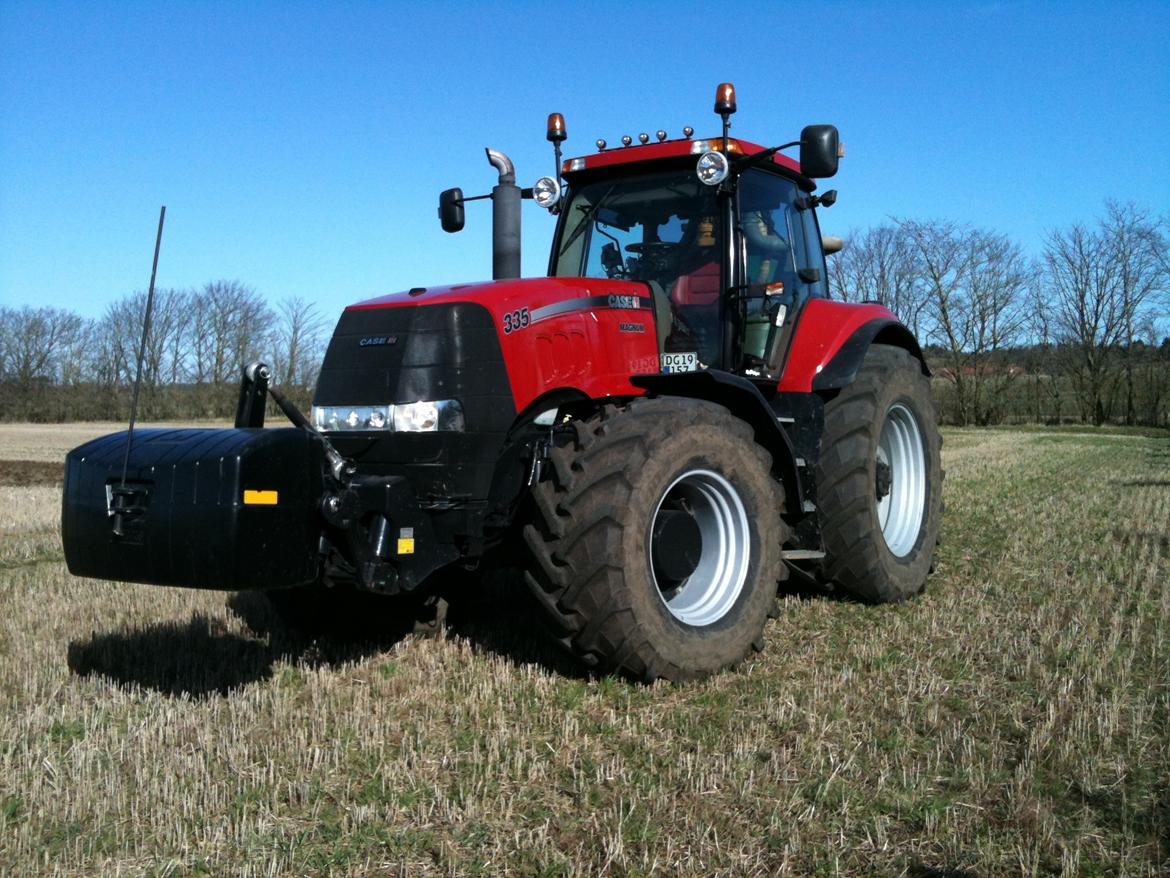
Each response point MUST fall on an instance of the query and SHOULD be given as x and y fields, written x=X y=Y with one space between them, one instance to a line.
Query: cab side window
x=772 y=249
x=815 y=255
x=772 y=233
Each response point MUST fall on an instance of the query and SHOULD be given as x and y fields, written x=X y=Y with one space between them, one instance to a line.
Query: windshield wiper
x=589 y=212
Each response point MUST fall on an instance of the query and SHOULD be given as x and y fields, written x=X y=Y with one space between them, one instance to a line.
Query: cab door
x=778 y=267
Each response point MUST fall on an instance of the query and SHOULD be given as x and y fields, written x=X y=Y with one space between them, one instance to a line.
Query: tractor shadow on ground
x=920 y=871
x=202 y=658
x=1159 y=542
x=196 y=658
x=1159 y=452
x=496 y=614
x=491 y=609
x=805 y=587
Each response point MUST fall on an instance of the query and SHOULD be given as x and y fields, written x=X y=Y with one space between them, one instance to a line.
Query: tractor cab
x=728 y=265
x=722 y=231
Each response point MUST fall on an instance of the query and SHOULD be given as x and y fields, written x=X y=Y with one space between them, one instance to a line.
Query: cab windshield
x=660 y=229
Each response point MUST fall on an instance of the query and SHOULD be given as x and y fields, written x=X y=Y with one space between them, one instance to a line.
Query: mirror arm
x=760 y=157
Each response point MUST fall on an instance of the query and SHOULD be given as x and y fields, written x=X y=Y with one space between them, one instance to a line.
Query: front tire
x=879 y=480
x=656 y=540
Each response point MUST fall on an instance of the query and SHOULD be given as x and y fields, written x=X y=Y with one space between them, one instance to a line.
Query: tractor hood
x=497 y=346
x=502 y=297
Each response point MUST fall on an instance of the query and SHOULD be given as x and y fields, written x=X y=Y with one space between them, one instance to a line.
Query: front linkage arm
x=387 y=544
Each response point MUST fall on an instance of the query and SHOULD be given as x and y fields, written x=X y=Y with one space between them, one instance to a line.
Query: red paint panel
x=594 y=349
x=620 y=155
x=823 y=327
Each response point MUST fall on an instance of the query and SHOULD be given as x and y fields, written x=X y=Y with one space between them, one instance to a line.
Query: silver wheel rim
x=709 y=593
x=900 y=511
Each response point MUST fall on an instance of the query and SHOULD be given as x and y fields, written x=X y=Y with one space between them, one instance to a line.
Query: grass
x=1089 y=430
x=1012 y=721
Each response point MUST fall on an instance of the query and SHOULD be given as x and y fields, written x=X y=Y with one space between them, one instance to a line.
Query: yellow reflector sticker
x=406 y=545
x=260 y=498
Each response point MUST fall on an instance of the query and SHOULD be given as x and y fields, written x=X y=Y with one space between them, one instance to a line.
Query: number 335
x=515 y=320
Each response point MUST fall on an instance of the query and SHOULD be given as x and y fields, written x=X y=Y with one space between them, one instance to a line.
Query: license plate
x=687 y=361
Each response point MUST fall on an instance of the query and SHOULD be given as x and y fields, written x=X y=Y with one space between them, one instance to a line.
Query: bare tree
x=1101 y=282
x=973 y=284
x=1049 y=356
x=879 y=265
x=165 y=353
x=1086 y=310
x=230 y=323
x=1155 y=371
x=297 y=342
x=33 y=342
x=1137 y=246
x=999 y=278
x=54 y=364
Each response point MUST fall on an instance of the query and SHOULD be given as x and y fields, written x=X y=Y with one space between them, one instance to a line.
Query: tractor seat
x=698 y=287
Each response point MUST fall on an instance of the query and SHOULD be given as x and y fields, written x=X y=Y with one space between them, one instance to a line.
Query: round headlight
x=546 y=192
x=712 y=168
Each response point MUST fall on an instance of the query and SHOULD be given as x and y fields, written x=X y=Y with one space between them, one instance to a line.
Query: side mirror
x=451 y=209
x=819 y=150
x=611 y=259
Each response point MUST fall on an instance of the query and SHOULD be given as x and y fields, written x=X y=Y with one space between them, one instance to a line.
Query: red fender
x=831 y=339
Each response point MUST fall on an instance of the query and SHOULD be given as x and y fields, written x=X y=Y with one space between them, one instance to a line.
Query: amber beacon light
x=724 y=99
x=556 y=128
x=725 y=106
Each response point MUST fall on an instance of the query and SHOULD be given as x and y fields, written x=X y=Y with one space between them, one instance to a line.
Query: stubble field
x=1012 y=721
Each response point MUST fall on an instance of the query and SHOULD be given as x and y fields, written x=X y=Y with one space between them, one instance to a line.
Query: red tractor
x=668 y=423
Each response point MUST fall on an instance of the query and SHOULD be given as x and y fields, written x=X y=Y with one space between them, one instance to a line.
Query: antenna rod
x=162 y=215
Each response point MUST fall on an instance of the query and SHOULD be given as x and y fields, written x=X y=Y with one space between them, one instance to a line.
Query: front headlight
x=546 y=192
x=712 y=168
x=425 y=416
x=351 y=417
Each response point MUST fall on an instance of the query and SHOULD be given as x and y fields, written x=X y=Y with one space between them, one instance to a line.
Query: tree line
x=1077 y=334
x=58 y=366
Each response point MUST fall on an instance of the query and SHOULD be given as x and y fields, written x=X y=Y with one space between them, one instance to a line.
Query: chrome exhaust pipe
x=505 y=218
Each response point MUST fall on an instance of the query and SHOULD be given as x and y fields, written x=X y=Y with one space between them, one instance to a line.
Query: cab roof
x=619 y=155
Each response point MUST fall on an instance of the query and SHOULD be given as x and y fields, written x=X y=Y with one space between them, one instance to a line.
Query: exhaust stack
x=505 y=218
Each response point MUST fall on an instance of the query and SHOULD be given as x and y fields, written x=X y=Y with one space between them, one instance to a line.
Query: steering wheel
x=654 y=256
x=650 y=248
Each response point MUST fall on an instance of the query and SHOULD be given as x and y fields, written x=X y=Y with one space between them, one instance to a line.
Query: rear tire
x=656 y=540
x=879 y=480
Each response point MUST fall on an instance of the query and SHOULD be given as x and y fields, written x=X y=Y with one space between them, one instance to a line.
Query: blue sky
x=300 y=147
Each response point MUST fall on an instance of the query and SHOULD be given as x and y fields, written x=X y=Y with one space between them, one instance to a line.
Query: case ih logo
x=373 y=340
x=619 y=301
